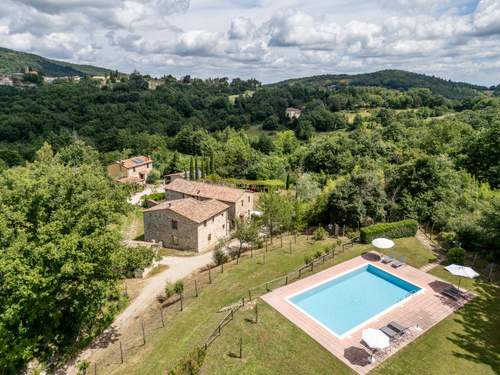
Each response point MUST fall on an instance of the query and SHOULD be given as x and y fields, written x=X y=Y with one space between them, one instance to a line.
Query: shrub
x=317 y=254
x=154 y=196
x=169 y=290
x=153 y=176
x=307 y=259
x=219 y=257
x=178 y=287
x=128 y=259
x=455 y=255
x=191 y=364
x=319 y=234
x=398 y=229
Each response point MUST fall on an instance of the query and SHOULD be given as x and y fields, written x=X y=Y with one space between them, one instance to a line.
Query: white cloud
x=270 y=39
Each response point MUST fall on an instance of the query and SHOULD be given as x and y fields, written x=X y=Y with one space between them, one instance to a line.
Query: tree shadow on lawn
x=481 y=325
x=108 y=337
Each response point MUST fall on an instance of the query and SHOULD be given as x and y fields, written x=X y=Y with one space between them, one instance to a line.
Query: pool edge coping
x=367 y=321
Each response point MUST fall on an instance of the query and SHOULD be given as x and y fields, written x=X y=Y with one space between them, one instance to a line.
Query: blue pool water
x=348 y=300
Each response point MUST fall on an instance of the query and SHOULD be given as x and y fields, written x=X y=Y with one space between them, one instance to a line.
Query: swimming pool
x=344 y=302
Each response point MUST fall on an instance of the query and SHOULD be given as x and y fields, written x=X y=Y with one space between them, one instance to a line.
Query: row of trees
x=61 y=255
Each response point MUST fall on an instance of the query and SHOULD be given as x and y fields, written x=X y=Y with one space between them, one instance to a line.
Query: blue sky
x=266 y=39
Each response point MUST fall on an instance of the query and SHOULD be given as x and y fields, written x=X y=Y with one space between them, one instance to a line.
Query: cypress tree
x=191 y=169
x=207 y=167
x=212 y=169
x=195 y=168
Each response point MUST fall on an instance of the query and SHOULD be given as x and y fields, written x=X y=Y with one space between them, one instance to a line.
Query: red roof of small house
x=136 y=161
x=203 y=190
x=192 y=209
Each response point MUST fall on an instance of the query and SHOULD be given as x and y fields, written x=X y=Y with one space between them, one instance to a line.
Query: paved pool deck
x=419 y=313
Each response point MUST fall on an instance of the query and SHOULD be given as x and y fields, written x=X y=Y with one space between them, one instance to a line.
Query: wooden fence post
x=161 y=316
x=300 y=273
x=256 y=313
x=182 y=304
x=222 y=267
x=196 y=288
x=143 y=332
x=241 y=347
x=312 y=266
x=210 y=275
x=249 y=295
x=95 y=368
x=281 y=238
x=286 y=280
x=121 y=351
x=267 y=287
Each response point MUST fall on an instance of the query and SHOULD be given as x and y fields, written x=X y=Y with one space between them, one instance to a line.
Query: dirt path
x=179 y=268
x=149 y=189
x=430 y=245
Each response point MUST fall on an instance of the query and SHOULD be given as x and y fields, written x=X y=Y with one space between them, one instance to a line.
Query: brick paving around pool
x=419 y=312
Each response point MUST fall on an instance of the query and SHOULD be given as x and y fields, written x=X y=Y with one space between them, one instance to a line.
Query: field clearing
x=267 y=348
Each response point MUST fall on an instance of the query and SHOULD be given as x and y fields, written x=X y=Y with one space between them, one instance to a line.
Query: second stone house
x=187 y=224
x=240 y=202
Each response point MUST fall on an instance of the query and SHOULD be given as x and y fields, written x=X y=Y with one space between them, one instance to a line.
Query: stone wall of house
x=173 y=195
x=244 y=206
x=137 y=171
x=116 y=171
x=212 y=230
x=158 y=226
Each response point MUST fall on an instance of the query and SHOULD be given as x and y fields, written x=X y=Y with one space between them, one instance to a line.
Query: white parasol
x=375 y=338
x=461 y=271
x=383 y=243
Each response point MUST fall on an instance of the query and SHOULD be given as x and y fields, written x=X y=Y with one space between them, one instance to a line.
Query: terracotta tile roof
x=136 y=161
x=192 y=209
x=203 y=190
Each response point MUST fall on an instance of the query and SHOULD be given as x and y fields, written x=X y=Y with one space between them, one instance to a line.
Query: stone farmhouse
x=187 y=224
x=133 y=170
x=240 y=202
x=293 y=113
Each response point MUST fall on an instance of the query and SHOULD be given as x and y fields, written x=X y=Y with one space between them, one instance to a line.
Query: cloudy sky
x=266 y=39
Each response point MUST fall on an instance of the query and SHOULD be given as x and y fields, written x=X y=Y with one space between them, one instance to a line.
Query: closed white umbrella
x=383 y=243
x=375 y=338
x=461 y=271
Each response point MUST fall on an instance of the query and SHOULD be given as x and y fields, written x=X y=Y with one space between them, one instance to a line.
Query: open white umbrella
x=461 y=271
x=375 y=338
x=383 y=243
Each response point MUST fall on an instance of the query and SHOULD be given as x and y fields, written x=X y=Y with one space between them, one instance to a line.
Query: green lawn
x=466 y=342
x=276 y=346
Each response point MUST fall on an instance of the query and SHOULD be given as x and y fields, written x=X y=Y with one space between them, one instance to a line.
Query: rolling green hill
x=14 y=61
x=394 y=79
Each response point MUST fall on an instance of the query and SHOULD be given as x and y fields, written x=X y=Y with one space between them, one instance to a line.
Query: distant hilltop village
x=31 y=77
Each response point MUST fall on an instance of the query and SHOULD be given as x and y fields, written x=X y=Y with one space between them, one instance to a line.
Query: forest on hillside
x=356 y=156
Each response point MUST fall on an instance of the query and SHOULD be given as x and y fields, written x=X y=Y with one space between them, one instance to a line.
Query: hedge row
x=398 y=229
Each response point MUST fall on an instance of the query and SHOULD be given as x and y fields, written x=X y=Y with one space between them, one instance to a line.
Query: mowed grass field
x=276 y=346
